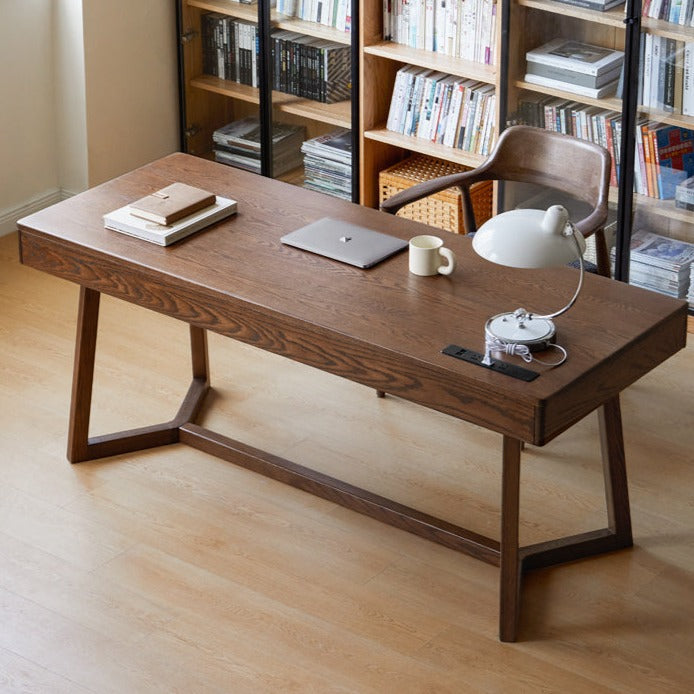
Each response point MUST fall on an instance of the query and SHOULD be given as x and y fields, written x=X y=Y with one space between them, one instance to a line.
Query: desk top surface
x=383 y=326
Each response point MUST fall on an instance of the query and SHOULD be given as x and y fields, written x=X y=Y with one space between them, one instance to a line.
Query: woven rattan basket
x=443 y=210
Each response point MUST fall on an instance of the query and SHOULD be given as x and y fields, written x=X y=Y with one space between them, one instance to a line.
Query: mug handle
x=447 y=253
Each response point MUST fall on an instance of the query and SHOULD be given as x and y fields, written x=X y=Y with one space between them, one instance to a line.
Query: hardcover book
x=606 y=90
x=580 y=79
x=171 y=203
x=591 y=5
x=576 y=56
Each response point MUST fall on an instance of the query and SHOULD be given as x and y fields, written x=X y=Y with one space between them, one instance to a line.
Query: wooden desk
x=382 y=327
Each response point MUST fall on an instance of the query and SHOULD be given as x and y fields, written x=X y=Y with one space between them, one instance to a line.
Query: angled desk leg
x=515 y=561
x=511 y=568
x=614 y=469
x=80 y=446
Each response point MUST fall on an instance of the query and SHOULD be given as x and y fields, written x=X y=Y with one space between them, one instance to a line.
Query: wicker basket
x=443 y=210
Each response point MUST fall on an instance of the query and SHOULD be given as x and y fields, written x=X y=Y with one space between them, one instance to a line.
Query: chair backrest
x=531 y=155
x=525 y=154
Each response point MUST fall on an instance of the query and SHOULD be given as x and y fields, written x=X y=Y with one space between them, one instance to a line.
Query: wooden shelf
x=611 y=103
x=241 y=10
x=433 y=61
x=320 y=31
x=664 y=208
x=249 y=12
x=667 y=29
x=613 y=18
x=338 y=114
x=422 y=146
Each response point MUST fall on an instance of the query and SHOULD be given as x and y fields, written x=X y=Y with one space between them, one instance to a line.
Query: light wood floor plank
x=171 y=571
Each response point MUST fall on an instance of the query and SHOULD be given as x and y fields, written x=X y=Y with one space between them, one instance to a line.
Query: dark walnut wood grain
x=382 y=327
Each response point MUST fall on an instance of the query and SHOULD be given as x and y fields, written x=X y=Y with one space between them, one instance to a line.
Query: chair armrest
x=590 y=224
x=426 y=188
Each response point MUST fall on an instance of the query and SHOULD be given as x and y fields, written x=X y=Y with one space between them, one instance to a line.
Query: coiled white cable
x=494 y=344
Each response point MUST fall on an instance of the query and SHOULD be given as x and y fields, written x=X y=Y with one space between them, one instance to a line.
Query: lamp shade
x=528 y=238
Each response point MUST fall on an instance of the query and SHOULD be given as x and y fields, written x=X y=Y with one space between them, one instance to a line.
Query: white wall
x=28 y=129
x=89 y=91
x=131 y=84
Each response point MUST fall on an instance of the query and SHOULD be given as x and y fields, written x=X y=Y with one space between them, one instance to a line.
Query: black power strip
x=499 y=366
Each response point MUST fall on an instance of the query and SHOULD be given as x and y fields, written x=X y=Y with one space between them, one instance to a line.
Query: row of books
x=590 y=123
x=576 y=67
x=229 y=48
x=330 y=13
x=675 y=11
x=310 y=67
x=666 y=79
x=664 y=158
x=328 y=163
x=459 y=28
x=660 y=263
x=444 y=109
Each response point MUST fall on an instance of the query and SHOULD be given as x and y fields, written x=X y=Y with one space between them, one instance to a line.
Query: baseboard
x=9 y=217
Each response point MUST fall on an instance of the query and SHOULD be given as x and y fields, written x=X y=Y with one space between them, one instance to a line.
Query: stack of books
x=328 y=163
x=238 y=144
x=170 y=214
x=572 y=66
x=684 y=194
x=660 y=263
x=597 y=5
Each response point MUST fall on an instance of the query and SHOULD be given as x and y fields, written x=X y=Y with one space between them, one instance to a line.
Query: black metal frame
x=625 y=204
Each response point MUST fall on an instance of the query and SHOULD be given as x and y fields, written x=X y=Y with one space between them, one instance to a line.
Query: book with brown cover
x=171 y=203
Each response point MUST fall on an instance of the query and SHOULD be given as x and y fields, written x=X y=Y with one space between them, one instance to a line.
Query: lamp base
x=536 y=333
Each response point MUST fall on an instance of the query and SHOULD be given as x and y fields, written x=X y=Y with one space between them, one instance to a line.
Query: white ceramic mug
x=426 y=255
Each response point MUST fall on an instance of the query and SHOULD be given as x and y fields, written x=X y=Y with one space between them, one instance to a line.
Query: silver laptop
x=344 y=241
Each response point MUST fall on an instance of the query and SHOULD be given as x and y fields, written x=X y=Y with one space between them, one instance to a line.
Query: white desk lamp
x=528 y=239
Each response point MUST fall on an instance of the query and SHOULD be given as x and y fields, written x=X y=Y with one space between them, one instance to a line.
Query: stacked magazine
x=238 y=144
x=328 y=163
x=660 y=263
x=572 y=66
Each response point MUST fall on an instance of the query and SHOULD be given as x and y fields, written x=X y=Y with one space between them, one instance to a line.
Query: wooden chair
x=531 y=155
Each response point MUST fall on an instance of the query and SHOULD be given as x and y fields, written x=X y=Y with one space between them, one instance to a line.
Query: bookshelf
x=380 y=61
x=637 y=206
x=212 y=96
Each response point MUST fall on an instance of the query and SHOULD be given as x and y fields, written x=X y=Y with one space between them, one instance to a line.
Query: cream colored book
x=172 y=203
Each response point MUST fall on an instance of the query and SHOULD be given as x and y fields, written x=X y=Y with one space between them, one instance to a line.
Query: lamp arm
x=581 y=266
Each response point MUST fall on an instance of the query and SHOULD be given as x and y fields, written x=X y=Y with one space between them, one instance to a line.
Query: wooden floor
x=171 y=571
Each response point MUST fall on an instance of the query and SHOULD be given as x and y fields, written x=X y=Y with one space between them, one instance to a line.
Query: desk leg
x=614 y=468
x=83 y=375
x=80 y=445
x=509 y=597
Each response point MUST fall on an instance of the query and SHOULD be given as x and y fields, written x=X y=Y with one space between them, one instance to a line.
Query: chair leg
x=602 y=255
x=380 y=393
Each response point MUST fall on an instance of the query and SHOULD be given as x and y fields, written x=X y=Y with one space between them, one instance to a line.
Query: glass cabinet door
x=268 y=88
x=565 y=63
x=662 y=215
